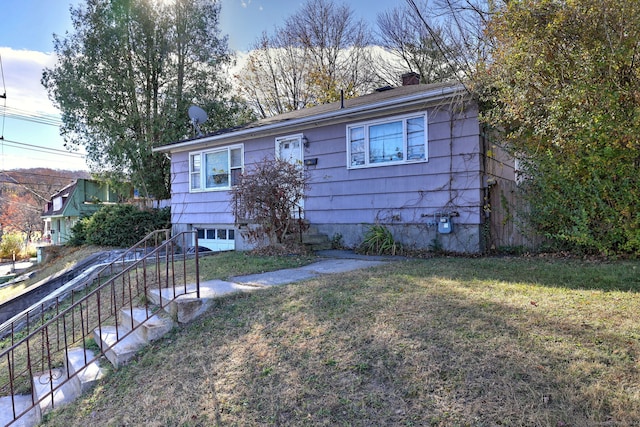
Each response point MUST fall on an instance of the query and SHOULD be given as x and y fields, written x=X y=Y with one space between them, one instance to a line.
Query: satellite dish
x=197 y=116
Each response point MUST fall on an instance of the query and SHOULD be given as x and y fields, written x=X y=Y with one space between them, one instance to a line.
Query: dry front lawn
x=442 y=342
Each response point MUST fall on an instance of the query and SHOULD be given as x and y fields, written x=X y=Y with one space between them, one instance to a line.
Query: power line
x=55 y=151
x=4 y=96
x=33 y=184
x=30 y=190
x=40 y=118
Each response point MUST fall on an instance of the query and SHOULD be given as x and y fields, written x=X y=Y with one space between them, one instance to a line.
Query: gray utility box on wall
x=445 y=225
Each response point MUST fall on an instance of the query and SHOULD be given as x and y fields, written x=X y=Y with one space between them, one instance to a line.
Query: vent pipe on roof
x=341 y=99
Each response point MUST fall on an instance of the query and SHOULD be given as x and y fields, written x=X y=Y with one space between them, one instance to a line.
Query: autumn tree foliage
x=25 y=192
x=562 y=85
x=20 y=214
x=267 y=198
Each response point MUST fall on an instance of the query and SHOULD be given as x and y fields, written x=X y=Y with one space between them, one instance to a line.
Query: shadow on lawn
x=556 y=273
x=411 y=343
x=435 y=354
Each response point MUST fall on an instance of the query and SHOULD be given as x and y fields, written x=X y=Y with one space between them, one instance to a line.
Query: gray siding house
x=412 y=158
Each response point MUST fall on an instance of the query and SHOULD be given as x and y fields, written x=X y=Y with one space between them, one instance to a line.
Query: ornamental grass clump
x=379 y=240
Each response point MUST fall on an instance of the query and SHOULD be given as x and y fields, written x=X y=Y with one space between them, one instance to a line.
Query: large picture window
x=217 y=169
x=379 y=143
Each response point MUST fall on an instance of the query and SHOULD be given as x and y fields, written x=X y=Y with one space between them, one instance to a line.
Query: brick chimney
x=410 y=78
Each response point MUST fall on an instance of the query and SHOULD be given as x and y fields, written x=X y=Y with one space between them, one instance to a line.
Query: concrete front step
x=118 y=352
x=86 y=375
x=316 y=241
x=186 y=306
x=148 y=326
x=19 y=404
x=50 y=386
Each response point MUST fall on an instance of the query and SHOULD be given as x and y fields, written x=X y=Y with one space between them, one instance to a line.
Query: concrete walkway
x=331 y=262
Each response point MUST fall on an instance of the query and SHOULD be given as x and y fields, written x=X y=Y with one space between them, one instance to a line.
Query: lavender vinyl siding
x=367 y=195
x=408 y=195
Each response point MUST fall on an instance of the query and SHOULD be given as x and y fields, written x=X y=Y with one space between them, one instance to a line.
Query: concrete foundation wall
x=464 y=238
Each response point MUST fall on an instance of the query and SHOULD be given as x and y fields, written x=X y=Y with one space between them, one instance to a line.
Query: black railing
x=41 y=338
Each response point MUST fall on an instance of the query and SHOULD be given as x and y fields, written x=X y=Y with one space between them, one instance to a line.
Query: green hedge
x=119 y=225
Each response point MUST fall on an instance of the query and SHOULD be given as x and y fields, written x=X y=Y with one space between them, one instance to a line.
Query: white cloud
x=22 y=73
x=26 y=136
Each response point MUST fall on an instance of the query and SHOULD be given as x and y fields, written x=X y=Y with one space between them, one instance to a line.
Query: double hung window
x=392 y=141
x=217 y=169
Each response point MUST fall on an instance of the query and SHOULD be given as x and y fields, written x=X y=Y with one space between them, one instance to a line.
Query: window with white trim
x=217 y=169
x=216 y=234
x=386 y=142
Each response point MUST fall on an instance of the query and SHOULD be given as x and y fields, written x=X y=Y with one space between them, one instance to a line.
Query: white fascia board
x=315 y=120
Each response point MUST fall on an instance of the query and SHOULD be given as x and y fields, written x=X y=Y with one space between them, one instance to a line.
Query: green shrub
x=119 y=225
x=79 y=233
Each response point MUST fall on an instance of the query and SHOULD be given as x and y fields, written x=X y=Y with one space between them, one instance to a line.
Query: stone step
x=148 y=326
x=316 y=242
x=321 y=246
x=50 y=386
x=87 y=375
x=182 y=306
x=118 y=352
x=311 y=230
x=315 y=238
x=19 y=403
x=162 y=297
x=186 y=306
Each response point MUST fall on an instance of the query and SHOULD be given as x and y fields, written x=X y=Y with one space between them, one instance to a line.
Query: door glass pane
x=290 y=150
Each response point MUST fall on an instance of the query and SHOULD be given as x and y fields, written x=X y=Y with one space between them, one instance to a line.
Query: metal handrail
x=36 y=312
x=119 y=285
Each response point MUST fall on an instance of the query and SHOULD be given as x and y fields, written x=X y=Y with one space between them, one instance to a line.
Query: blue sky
x=25 y=49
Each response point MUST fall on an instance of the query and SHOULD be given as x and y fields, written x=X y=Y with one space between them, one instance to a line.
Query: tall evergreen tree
x=126 y=76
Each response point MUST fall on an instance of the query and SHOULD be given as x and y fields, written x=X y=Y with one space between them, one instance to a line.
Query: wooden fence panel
x=506 y=223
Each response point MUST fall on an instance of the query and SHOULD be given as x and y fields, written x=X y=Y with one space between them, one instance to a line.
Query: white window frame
x=198 y=178
x=365 y=127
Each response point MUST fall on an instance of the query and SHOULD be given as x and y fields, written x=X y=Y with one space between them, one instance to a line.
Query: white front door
x=290 y=148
